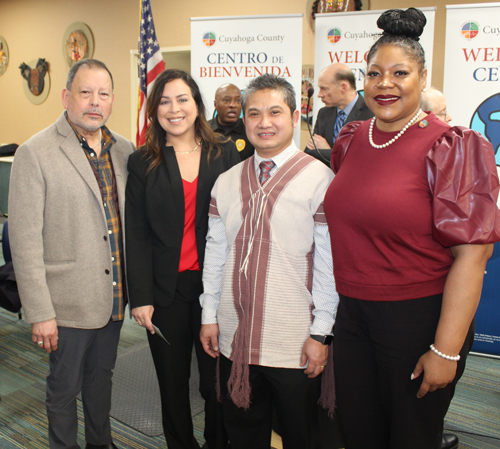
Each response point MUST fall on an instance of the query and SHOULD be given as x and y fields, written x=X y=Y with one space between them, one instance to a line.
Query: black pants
x=295 y=397
x=180 y=323
x=376 y=347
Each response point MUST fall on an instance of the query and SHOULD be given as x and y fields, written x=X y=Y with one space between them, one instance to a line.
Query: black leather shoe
x=101 y=446
x=449 y=441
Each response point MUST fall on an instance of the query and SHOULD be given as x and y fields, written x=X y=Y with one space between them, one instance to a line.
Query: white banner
x=472 y=68
x=471 y=88
x=237 y=49
x=346 y=37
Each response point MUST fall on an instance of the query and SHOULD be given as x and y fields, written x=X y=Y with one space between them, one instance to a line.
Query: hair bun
x=409 y=23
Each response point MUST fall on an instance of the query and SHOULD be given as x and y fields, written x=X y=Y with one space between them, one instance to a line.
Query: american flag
x=150 y=65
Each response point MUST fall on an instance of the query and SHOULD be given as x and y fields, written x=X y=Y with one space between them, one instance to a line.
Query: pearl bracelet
x=444 y=356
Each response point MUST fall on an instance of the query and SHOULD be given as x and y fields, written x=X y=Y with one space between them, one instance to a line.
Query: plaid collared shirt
x=103 y=170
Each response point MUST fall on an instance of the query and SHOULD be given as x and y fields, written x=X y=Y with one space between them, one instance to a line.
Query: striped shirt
x=102 y=168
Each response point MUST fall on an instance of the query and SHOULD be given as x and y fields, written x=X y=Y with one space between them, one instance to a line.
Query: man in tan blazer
x=67 y=195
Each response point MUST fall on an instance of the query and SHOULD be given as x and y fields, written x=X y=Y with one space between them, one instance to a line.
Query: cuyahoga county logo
x=209 y=38
x=334 y=35
x=470 y=30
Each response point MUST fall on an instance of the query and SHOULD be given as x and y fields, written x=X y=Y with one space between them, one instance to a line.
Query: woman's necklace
x=190 y=151
x=396 y=137
x=98 y=143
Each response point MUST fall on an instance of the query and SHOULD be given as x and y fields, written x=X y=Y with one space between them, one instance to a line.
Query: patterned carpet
x=475 y=409
x=23 y=424
x=136 y=396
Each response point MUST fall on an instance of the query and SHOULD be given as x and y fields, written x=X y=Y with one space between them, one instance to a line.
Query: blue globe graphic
x=486 y=120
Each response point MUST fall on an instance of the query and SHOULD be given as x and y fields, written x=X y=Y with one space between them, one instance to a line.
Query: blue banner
x=487 y=338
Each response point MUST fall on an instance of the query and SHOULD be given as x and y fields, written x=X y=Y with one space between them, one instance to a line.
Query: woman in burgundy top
x=412 y=216
x=166 y=217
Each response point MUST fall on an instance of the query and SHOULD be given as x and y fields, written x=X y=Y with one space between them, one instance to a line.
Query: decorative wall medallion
x=328 y=6
x=78 y=43
x=37 y=85
x=4 y=55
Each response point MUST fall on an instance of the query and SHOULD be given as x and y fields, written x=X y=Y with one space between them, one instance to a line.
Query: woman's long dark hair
x=155 y=134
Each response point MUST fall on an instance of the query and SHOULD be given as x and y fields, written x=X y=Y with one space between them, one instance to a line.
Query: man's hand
x=209 y=337
x=46 y=333
x=321 y=143
x=438 y=373
x=315 y=354
x=143 y=315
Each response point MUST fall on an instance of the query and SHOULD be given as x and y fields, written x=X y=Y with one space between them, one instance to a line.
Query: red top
x=189 y=252
x=393 y=213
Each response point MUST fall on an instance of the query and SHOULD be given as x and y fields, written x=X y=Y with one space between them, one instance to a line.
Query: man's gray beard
x=85 y=126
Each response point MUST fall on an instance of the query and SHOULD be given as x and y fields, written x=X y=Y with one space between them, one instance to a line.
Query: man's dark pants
x=83 y=362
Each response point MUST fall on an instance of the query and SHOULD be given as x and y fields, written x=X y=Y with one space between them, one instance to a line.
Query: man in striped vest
x=269 y=298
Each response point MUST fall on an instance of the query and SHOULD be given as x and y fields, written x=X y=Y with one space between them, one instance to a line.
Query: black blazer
x=154 y=215
x=325 y=121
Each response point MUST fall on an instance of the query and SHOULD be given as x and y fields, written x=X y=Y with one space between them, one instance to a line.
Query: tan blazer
x=58 y=229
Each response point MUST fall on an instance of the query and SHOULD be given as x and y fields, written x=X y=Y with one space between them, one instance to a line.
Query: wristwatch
x=325 y=339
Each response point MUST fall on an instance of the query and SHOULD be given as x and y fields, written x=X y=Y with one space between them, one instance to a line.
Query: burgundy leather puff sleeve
x=463 y=181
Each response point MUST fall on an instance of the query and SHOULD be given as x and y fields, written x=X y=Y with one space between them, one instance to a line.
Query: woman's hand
x=209 y=337
x=461 y=295
x=143 y=315
x=438 y=372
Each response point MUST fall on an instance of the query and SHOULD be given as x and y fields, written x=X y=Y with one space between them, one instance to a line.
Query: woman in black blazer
x=166 y=214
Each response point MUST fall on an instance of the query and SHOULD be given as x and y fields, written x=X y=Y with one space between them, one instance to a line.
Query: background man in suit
x=228 y=122
x=433 y=100
x=337 y=90
x=67 y=193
